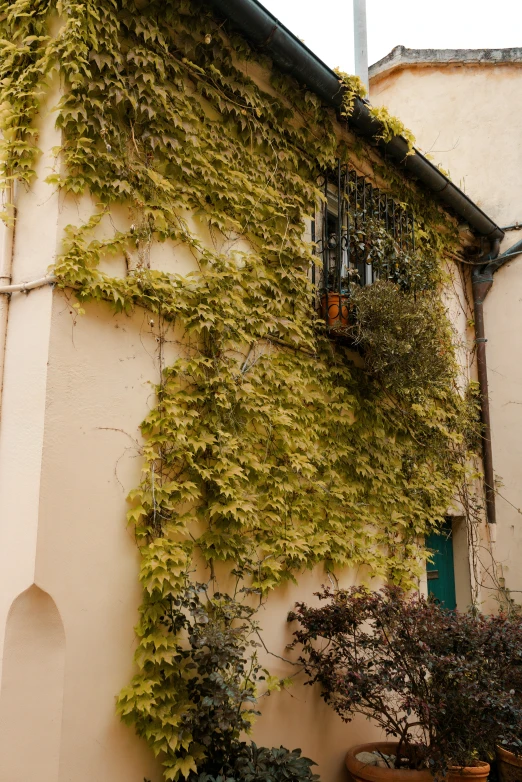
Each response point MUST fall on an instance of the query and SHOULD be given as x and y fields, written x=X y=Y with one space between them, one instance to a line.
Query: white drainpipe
x=6 y=267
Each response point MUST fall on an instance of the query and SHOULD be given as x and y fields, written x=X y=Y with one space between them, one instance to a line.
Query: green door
x=441 y=573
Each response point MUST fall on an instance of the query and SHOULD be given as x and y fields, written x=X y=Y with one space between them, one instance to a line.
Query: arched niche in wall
x=31 y=692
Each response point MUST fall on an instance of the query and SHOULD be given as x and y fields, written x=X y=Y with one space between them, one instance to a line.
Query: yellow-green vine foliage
x=270 y=458
x=352 y=88
x=392 y=126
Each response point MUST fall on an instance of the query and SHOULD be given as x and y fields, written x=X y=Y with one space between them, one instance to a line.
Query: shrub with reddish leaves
x=446 y=685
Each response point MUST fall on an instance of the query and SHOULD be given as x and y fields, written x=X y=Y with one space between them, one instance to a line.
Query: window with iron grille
x=361 y=234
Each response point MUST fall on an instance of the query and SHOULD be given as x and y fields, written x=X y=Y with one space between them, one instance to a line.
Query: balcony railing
x=361 y=234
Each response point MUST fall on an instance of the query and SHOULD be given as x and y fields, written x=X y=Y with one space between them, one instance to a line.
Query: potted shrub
x=222 y=683
x=211 y=684
x=250 y=763
x=509 y=764
x=432 y=679
x=507 y=638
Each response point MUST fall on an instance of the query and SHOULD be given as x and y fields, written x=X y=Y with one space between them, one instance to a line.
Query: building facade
x=77 y=386
x=461 y=106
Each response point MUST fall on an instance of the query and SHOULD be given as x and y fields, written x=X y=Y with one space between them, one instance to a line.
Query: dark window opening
x=359 y=233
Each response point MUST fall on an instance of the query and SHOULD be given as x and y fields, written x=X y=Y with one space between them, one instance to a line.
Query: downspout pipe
x=6 y=266
x=500 y=260
x=482 y=281
x=266 y=33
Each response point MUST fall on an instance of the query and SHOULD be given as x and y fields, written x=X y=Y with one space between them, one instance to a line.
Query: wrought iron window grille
x=360 y=234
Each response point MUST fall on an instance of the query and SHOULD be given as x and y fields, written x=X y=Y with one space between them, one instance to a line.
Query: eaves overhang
x=267 y=34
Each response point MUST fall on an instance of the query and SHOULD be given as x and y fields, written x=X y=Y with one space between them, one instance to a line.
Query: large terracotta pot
x=336 y=310
x=360 y=772
x=509 y=766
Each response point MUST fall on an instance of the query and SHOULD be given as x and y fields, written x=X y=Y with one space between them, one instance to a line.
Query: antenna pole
x=361 y=42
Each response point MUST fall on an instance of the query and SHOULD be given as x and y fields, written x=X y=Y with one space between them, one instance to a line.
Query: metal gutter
x=265 y=32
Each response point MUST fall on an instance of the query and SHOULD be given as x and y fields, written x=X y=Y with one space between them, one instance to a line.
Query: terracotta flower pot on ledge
x=509 y=766
x=336 y=310
x=361 y=772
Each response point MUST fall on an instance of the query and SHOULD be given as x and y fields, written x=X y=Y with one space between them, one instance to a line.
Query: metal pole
x=361 y=42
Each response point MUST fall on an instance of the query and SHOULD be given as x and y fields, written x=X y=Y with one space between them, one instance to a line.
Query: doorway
x=441 y=571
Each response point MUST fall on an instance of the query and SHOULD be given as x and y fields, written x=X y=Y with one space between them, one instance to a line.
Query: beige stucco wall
x=83 y=557
x=468 y=119
x=75 y=392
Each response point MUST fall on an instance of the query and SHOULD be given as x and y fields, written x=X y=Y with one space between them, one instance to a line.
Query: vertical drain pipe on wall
x=482 y=281
x=6 y=267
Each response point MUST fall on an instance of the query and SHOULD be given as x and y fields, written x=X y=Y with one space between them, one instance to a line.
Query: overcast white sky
x=326 y=25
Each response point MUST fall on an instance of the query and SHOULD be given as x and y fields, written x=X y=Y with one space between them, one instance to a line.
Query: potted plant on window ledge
x=336 y=307
x=431 y=679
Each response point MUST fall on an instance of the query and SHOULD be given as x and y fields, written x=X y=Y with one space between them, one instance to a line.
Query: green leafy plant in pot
x=434 y=680
x=250 y=763
x=209 y=690
x=508 y=643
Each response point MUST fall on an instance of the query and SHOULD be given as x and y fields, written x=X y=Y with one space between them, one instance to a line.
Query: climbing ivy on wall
x=266 y=448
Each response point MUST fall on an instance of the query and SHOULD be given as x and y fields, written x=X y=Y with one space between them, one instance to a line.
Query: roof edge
x=266 y=33
x=401 y=57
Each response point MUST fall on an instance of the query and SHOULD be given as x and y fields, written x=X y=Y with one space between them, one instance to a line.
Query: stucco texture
x=98 y=389
x=75 y=392
x=467 y=117
x=76 y=389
